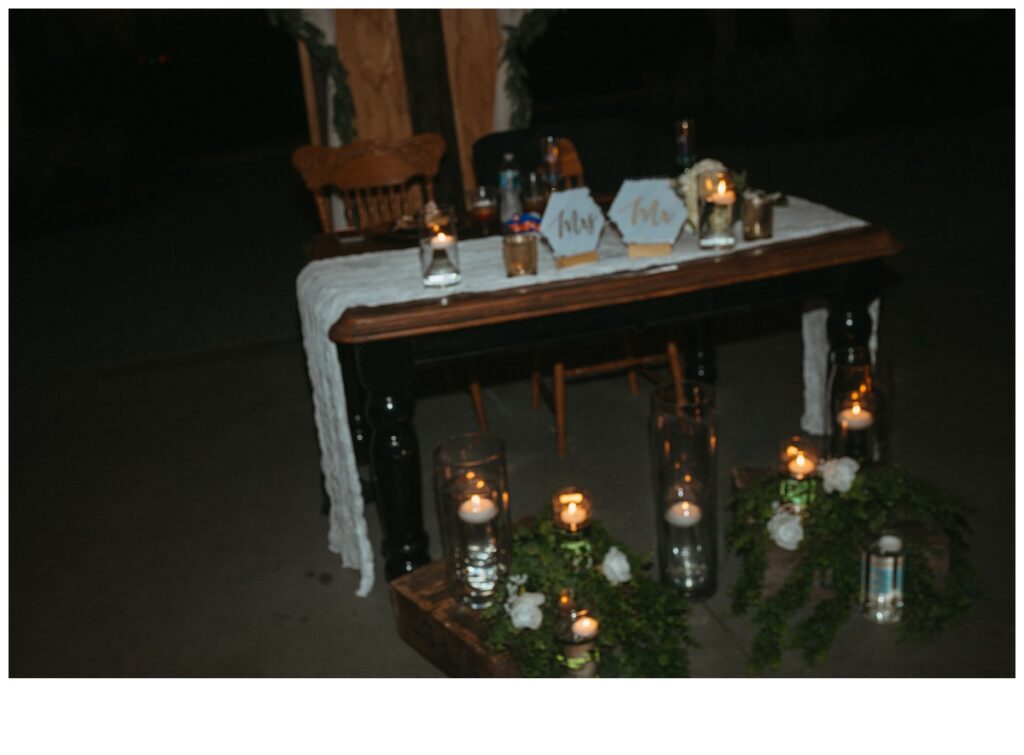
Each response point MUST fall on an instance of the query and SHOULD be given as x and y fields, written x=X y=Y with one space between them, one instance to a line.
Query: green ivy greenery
x=836 y=527
x=324 y=57
x=519 y=38
x=644 y=629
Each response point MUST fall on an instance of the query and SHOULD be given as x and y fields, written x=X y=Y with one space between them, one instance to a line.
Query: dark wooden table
x=384 y=344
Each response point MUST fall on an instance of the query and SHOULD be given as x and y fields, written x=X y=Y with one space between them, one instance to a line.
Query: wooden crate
x=441 y=629
x=781 y=562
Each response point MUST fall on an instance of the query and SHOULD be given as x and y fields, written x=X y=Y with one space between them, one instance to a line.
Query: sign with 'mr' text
x=572 y=225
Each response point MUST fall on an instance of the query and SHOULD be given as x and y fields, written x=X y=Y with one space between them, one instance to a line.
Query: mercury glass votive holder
x=471 y=491
x=683 y=462
x=439 y=246
x=716 y=193
x=519 y=251
x=757 y=213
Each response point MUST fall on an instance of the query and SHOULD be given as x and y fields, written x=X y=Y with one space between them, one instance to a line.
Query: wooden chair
x=380 y=181
x=572 y=177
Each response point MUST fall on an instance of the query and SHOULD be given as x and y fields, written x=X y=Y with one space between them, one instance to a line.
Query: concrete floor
x=165 y=490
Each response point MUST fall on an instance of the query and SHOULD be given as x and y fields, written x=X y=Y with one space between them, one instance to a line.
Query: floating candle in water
x=683 y=514
x=855 y=418
x=477 y=510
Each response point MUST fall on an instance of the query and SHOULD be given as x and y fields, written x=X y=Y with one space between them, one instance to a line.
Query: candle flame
x=480 y=484
x=572 y=507
x=475 y=502
x=855 y=409
x=800 y=460
x=722 y=186
x=441 y=236
x=470 y=475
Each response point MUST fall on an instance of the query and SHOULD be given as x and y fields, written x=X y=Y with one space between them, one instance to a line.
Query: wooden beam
x=368 y=45
x=472 y=44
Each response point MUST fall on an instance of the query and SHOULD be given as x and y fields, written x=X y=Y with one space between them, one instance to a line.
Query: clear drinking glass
x=471 y=489
x=439 y=246
x=716 y=192
x=535 y=193
x=482 y=203
x=683 y=454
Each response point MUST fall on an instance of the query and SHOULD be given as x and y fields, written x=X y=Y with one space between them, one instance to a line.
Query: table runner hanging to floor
x=327 y=287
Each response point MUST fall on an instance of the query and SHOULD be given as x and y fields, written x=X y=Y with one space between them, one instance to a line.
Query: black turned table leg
x=386 y=372
x=699 y=351
x=355 y=400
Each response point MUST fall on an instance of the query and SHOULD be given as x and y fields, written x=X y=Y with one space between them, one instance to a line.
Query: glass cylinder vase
x=439 y=246
x=855 y=406
x=473 y=509
x=683 y=454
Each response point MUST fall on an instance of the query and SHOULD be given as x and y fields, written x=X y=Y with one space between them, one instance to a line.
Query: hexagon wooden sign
x=572 y=225
x=649 y=215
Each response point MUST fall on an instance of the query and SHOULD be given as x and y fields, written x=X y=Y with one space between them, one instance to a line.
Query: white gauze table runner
x=327 y=287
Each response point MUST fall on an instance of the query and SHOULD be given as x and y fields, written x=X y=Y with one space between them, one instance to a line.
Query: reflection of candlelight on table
x=855 y=418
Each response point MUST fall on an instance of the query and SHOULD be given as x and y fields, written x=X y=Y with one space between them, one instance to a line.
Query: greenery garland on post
x=836 y=527
x=325 y=57
x=531 y=27
x=643 y=624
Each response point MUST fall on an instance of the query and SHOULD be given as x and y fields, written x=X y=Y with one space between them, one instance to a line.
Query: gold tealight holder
x=519 y=251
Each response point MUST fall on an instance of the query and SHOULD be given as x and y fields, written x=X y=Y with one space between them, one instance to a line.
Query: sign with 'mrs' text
x=648 y=211
x=572 y=223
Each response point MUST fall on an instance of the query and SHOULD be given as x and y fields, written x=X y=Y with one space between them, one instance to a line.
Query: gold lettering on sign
x=653 y=214
x=574 y=224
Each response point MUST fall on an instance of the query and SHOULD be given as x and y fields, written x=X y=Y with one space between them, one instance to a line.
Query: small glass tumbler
x=716 y=191
x=757 y=215
x=482 y=203
x=798 y=461
x=881 y=585
x=520 y=253
x=439 y=246
x=471 y=490
x=683 y=455
x=578 y=631
x=535 y=193
x=572 y=509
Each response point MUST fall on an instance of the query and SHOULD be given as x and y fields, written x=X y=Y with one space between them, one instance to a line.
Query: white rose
x=838 y=474
x=524 y=610
x=785 y=529
x=616 y=566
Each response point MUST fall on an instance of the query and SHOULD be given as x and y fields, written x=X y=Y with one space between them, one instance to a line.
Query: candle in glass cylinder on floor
x=855 y=418
x=479 y=547
x=686 y=552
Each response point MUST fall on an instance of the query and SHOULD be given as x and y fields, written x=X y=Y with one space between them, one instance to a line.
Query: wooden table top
x=456 y=311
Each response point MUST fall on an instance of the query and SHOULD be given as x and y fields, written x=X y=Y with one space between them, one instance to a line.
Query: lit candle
x=585 y=627
x=801 y=466
x=571 y=509
x=477 y=510
x=573 y=515
x=441 y=242
x=683 y=514
x=855 y=418
x=722 y=194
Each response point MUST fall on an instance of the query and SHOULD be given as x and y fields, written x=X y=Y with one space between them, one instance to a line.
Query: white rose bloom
x=785 y=529
x=616 y=566
x=838 y=474
x=524 y=610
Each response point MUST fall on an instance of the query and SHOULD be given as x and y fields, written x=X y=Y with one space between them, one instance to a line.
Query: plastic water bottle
x=882 y=580
x=509 y=186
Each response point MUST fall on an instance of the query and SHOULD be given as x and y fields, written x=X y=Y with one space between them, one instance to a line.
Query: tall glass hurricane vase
x=683 y=455
x=473 y=508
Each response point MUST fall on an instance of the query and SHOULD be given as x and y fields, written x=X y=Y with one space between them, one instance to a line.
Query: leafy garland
x=643 y=624
x=836 y=526
x=325 y=57
x=531 y=27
